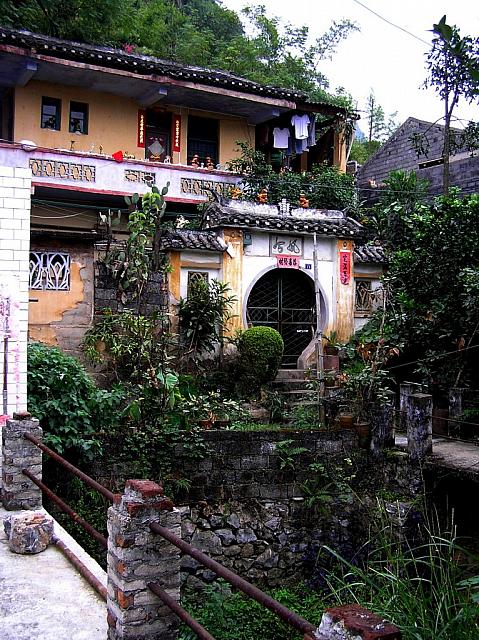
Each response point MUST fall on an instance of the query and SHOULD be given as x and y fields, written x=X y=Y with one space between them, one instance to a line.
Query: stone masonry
x=18 y=492
x=137 y=556
x=15 y=185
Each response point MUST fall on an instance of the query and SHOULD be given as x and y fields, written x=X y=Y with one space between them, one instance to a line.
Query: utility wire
x=392 y=24
x=431 y=358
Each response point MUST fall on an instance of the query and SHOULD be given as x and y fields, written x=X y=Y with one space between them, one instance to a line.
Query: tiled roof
x=370 y=253
x=301 y=221
x=180 y=239
x=141 y=64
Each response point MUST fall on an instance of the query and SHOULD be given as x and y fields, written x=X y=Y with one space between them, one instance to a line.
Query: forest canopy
x=198 y=32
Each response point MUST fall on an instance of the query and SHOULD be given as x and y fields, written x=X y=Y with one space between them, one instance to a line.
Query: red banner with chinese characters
x=287 y=262
x=141 y=129
x=176 y=133
x=345 y=266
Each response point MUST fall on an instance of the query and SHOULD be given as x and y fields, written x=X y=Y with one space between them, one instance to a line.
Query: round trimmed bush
x=260 y=352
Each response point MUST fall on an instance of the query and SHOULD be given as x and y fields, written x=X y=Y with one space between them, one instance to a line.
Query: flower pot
x=363 y=429
x=346 y=420
x=221 y=424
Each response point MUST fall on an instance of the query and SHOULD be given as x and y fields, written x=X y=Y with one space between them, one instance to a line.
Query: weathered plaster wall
x=15 y=185
x=61 y=318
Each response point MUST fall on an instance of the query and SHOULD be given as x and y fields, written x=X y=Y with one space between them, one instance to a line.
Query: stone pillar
x=137 y=556
x=18 y=492
x=456 y=400
x=382 y=425
x=419 y=425
x=405 y=390
x=352 y=622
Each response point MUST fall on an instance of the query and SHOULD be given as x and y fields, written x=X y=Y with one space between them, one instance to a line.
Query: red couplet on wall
x=176 y=133
x=141 y=128
x=345 y=266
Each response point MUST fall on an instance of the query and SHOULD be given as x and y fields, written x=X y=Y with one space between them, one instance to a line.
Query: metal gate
x=284 y=299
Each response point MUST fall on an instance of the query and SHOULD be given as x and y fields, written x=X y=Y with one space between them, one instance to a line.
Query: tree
x=379 y=128
x=453 y=69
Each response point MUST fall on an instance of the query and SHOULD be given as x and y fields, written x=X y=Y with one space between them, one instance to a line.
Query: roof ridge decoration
x=249 y=215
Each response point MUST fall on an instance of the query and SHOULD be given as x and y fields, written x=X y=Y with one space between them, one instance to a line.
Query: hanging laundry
x=312 y=130
x=280 y=138
x=300 y=124
x=301 y=145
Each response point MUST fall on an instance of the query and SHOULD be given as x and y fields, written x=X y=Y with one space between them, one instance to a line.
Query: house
x=82 y=126
x=398 y=153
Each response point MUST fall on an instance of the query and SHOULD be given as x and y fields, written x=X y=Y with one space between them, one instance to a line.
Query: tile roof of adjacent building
x=189 y=239
x=248 y=215
x=370 y=253
x=141 y=64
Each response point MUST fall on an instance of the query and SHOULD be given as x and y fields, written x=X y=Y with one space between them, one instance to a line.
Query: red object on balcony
x=118 y=156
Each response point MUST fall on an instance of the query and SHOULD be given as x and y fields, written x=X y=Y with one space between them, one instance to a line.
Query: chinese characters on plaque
x=286 y=246
x=287 y=262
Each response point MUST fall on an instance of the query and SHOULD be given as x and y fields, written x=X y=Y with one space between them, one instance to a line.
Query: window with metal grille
x=51 y=113
x=364 y=299
x=49 y=271
x=194 y=277
x=78 y=117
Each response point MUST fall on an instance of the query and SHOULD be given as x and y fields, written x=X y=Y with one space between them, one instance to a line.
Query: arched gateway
x=284 y=300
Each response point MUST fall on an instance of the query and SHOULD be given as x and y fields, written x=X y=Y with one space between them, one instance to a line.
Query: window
x=51 y=113
x=49 y=271
x=194 y=277
x=78 y=117
x=203 y=140
x=363 y=303
x=369 y=296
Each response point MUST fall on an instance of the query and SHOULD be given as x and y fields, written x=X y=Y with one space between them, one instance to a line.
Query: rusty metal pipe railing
x=109 y=495
x=180 y=612
x=81 y=568
x=66 y=509
x=291 y=618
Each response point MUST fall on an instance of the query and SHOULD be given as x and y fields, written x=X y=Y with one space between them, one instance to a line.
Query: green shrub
x=260 y=352
x=65 y=400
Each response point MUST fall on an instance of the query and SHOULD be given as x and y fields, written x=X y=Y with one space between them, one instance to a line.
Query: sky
x=381 y=57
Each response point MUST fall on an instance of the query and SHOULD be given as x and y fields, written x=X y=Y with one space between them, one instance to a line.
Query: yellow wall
x=231 y=131
x=232 y=276
x=112 y=122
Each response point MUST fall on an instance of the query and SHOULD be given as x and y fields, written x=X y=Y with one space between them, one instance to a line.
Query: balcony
x=100 y=174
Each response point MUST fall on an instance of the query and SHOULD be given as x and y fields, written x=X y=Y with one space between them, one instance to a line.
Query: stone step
x=293 y=374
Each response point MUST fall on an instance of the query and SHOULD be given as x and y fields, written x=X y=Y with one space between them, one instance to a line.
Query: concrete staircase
x=296 y=386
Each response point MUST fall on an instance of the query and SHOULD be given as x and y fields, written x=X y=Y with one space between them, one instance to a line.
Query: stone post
x=137 y=556
x=405 y=390
x=382 y=425
x=352 y=622
x=18 y=492
x=456 y=407
x=419 y=425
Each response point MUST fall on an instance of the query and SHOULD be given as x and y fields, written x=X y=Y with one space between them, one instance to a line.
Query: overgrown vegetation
x=198 y=32
x=323 y=187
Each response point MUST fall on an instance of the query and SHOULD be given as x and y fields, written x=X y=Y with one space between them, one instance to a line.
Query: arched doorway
x=284 y=300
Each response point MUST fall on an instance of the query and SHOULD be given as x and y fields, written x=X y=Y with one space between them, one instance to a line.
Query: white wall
x=257 y=261
x=15 y=191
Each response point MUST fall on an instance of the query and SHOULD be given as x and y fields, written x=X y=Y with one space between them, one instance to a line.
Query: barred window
x=368 y=298
x=49 y=271
x=194 y=276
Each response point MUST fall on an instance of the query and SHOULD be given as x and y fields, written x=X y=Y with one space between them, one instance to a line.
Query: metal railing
x=63 y=506
x=288 y=616
x=291 y=618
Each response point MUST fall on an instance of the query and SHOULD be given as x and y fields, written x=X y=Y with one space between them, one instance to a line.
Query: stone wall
x=254 y=516
x=15 y=185
x=107 y=295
